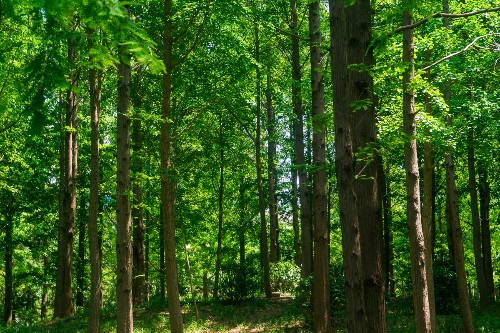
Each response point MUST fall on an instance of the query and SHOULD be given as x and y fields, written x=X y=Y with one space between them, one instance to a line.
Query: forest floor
x=261 y=315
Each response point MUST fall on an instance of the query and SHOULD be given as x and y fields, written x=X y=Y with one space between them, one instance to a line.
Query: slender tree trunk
x=80 y=267
x=271 y=167
x=138 y=270
x=295 y=213
x=95 y=81
x=388 y=235
x=63 y=306
x=45 y=289
x=125 y=321
x=162 y=260
x=484 y=200
x=454 y=221
x=8 y=252
x=264 y=253
x=321 y=282
x=146 y=256
x=220 y=218
x=298 y=148
x=167 y=181
x=476 y=223
x=417 y=244
x=428 y=211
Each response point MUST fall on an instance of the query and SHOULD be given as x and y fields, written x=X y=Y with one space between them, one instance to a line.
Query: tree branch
x=459 y=52
x=188 y=25
x=437 y=15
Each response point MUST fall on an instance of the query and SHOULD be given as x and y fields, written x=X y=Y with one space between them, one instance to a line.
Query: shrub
x=285 y=276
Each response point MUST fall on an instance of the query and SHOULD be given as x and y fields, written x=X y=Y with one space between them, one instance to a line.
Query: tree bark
x=63 y=306
x=417 y=243
x=264 y=253
x=167 y=178
x=271 y=167
x=295 y=214
x=298 y=148
x=476 y=223
x=80 y=267
x=95 y=81
x=321 y=282
x=125 y=321
x=388 y=235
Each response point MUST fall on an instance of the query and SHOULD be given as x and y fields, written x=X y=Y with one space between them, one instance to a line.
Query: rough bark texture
x=298 y=148
x=264 y=255
x=93 y=231
x=167 y=181
x=125 y=321
x=8 y=251
x=63 y=306
x=321 y=282
x=476 y=223
x=484 y=201
x=417 y=243
x=271 y=168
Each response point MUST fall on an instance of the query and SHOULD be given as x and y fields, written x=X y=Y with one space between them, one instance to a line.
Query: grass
x=260 y=315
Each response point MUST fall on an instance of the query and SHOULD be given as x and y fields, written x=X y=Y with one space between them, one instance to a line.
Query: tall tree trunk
x=388 y=235
x=428 y=211
x=8 y=252
x=357 y=320
x=138 y=268
x=298 y=148
x=476 y=223
x=80 y=267
x=484 y=200
x=162 y=259
x=167 y=181
x=271 y=167
x=417 y=243
x=220 y=218
x=63 y=306
x=95 y=81
x=147 y=229
x=264 y=253
x=321 y=281
x=125 y=321
x=295 y=213
x=45 y=289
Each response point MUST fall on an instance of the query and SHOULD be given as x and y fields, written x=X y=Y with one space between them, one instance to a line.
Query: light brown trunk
x=417 y=244
x=321 y=282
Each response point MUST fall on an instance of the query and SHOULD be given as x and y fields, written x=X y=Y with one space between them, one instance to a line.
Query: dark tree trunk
x=476 y=223
x=484 y=201
x=162 y=260
x=167 y=181
x=298 y=148
x=271 y=167
x=45 y=290
x=63 y=306
x=388 y=235
x=295 y=214
x=220 y=218
x=417 y=244
x=321 y=282
x=8 y=252
x=95 y=82
x=80 y=267
x=264 y=253
x=125 y=321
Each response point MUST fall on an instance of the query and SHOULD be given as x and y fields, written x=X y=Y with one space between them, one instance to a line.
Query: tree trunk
x=95 y=82
x=125 y=321
x=80 y=267
x=264 y=255
x=220 y=218
x=162 y=259
x=45 y=289
x=8 y=252
x=428 y=211
x=476 y=223
x=271 y=167
x=388 y=235
x=138 y=268
x=63 y=306
x=484 y=201
x=146 y=256
x=321 y=281
x=167 y=181
x=417 y=244
x=298 y=148
x=295 y=213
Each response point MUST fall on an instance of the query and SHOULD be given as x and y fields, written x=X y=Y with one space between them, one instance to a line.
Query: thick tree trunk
x=298 y=148
x=220 y=219
x=93 y=230
x=8 y=252
x=476 y=223
x=417 y=244
x=484 y=201
x=138 y=270
x=454 y=221
x=167 y=181
x=428 y=212
x=125 y=321
x=264 y=255
x=321 y=282
x=271 y=167
x=63 y=306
